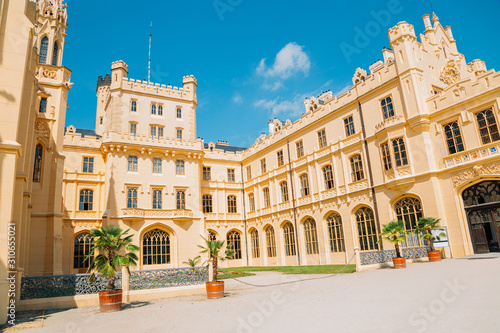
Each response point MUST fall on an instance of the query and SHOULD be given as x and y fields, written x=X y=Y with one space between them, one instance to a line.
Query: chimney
x=427 y=22
x=449 y=33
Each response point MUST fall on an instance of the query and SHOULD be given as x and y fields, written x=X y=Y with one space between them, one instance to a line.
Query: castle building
x=416 y=135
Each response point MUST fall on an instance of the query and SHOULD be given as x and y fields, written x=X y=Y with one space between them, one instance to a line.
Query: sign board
x=443 y=242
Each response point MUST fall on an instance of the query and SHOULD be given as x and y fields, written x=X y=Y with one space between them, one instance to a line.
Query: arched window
x=482 y=193
x=254 y=235
x=304 y=185
x=267 y=197
x=284 y=191
x=336 y=233
x=367 y=231
x=86 y=199
x=328 y=177
x=207 y=203
x=289 y=239
x=55 y=54
x=231 y=204
x=37 y=168
x=233 y=240
x=44 y=49
x=409 y=210
x=357 y=168
x=251 y=202
x=212 y=236
x=311 y=236
x=271 y=242
x=82 y=246
x=156 y=247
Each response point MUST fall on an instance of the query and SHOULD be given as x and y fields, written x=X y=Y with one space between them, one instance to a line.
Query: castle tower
x=102 y=91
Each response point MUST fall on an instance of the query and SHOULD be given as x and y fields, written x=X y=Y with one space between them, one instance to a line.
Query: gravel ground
x=448 y=296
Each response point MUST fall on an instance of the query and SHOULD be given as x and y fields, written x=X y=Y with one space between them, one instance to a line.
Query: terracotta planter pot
x=434 y=255
x=215 y=289
x=110 y=300
x=399 y=262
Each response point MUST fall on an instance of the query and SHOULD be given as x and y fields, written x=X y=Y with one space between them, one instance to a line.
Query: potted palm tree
x=395 y=233
x=215 y=289
x=425 y=226
x=193 y=262
x=108 y=242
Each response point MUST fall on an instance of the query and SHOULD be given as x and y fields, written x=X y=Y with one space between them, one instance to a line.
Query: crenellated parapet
x=402 y=30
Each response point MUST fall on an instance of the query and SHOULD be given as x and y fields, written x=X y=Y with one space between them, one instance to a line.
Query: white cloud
x=289 y=61
x=237 y=99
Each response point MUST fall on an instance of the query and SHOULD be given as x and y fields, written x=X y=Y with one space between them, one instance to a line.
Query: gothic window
x=336 y=233
x=37 y=169
x=254 y=236
x=153 y=109
x=132 y=197
x=289 y=239
x=300 y=148
x=328 y=177
x=88 y=164
x=180 y=198
x=311 y=236
x=132 y=163
x=81 y=249
x=357 y=168
x=43 y=105
x=386 y=156
x=207 y=203
x=281 y=160
x=453 y=137
x=233 y=240
x=231 y=204
x=409 y=210
x=304 y=185
x=44 y=49
x=284 y=191
x=251 y=202
x=488 y=128
x=322 y=138
x=55 y=54
x=156 y=247
x=349 y=126
x=271 y=242
x=157 y=199
x=387 y=107
x=156 y=165
x=179 y=167
x=400 y=155
x=367 y=232
x=267 y=197
x=86 y=199
x=211 y=236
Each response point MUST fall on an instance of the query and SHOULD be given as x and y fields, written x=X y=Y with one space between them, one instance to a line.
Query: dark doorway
x=482 y=204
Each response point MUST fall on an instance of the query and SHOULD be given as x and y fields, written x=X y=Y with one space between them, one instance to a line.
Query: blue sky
x=254 y=59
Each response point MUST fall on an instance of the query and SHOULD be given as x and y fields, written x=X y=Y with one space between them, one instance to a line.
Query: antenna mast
x=149 y=56
x=430 y=3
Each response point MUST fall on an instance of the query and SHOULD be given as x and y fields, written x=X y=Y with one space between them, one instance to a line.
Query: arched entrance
x=482 y=205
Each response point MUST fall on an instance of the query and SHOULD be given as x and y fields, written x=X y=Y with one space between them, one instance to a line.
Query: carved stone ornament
x=42 y=131
x=450 y=72
x=479 y=170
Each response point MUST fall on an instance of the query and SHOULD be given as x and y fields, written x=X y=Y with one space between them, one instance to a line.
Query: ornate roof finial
x=435 y=18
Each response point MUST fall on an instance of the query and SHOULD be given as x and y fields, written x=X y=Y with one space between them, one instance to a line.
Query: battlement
x=119 y=64
x=189 y=79
x=81 y=137
x=184 y=92
x=143 y=139
x=402 y=29
x=106 y=81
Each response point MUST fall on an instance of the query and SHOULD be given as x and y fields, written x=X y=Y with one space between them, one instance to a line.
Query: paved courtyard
x=450 y=296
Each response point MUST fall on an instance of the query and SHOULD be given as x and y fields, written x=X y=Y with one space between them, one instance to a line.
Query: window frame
x=453 y=138
x=386 y=113
x=322 y=141
x=328 y=177
x=133 y=105
x=335 y=232
x=266 y=197
x=251 y=202
x=231 y=175
x=132 y=165
x=362 y=224
x=42 y=106
x=263 y=166
x=232 y=206
x=133 y=128
x=487 y=127
x=180 y=199
x=157 y=198
x=254 y=240
x=280 y=158
x=311 y=236
x=163 y=248
x=178 y=111
x=88 y=166
x=207 y=173
x=386 y=155
x=179 y=134
x=400 y=156
x=349 y=125
x=357 y=170
x=249 y=172
x=207 y=203
x=270 y=241
x=180 y=169
x=86 y=200
x=284 y=191
x=304 y=185
x=131 y=199
x=157 y=167
x=299 y=145
x=233 y=238
x=289 y=239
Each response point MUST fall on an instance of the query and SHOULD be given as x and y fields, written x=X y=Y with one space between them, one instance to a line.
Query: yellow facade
x=408 y=139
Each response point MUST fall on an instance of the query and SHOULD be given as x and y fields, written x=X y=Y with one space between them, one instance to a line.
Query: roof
x=84 y=132
x=227 y=148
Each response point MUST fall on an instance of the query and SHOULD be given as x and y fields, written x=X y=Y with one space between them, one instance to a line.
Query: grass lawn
x=319 y=269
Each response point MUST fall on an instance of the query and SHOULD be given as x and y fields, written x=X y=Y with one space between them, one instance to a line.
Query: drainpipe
x=244 y=211
x=293 y=203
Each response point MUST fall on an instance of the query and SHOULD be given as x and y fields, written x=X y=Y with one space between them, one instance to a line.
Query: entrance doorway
x=482 y=205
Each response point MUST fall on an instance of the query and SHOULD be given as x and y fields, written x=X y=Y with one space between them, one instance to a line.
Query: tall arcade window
x=328 y=177
x=357 y=168
x=86 y=200
x=311 y=236
x=453 y=137
x=488 y=128
x=304 y=185
x=233 y=241
x=179 y=113
x=281 y=160
x=44 y=49
x=231 y=204
x=322 y=138
x=409 y=210
x=271 y=242
x=254 y=236
x=300 y=148
x=284 y=191
x=43 y=105
x=180 y=198
x=249 y=172
x=207 y=203
x=156 y=247
x=81 y=249
x=160 y=110
x=37 y=168
x=55 y=54
x=132 y=197
x=336 y=233
x=367 y=232
x=153 y=108
x=157 y=199
x=387 y=107
x=263 y=168
x=289 y=239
